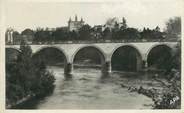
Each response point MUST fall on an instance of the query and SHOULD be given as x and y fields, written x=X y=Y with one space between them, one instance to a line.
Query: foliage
x=60 y=34
x=85 y=32
x=111 y=30
x=167 y=98
x=128 y=33
x=107 y=33
x=25 y=77
x=175 y=62
x=173 y=27
x=170 y=98
x=151 y=34
x=28 y=35
x=42 y=35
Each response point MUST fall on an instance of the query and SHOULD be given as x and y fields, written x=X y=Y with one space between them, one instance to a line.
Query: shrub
x=26 y=77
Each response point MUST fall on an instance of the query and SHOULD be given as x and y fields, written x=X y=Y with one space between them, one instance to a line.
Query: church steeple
x=75 y=17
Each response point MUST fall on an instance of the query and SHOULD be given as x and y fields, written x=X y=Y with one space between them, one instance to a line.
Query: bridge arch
x=156 y=45
x=103 y=55
x=58 y=50
x=158 y=53
x=14 y=48
x=130 y=51
x=95 y=49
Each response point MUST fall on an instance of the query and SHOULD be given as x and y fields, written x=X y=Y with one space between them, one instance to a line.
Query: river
x=88 y=89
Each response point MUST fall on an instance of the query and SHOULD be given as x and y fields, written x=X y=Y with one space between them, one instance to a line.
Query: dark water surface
x=88 y=89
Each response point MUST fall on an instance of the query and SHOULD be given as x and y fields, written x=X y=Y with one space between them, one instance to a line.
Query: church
x=75 y=25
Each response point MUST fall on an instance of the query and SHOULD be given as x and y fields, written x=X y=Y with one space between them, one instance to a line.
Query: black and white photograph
x=115 y=55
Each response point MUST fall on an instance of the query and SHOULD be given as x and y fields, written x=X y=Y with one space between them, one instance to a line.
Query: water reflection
x=68 y=76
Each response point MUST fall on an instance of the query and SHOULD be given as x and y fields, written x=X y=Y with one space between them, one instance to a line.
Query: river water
x=88 y=89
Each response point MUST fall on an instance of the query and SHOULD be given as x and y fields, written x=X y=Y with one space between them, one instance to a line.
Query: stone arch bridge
x=106 y=50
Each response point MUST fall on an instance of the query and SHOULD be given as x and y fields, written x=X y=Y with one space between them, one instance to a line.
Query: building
x=14 y=37
x=75 y=25
x=9 y=36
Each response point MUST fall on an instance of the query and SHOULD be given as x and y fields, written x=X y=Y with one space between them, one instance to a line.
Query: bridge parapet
x=100 y=41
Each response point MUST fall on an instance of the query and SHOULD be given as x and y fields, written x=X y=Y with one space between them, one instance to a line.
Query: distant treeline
x=112 y=30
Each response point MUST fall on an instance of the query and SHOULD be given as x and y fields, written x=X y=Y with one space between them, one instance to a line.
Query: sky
x=138 y=13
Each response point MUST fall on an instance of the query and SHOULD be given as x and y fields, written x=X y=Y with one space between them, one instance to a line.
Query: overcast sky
x=138 y=13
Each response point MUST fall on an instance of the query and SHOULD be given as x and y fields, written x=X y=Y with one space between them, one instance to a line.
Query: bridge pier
x=68 y=68
x=106 y=68
x=145 y=64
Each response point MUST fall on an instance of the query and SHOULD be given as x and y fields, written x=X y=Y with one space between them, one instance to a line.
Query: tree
x=39 y=35
x=43 y=35
x=28 y=35
x=173 y=27
x=97 y=32
x=24 y=65
x=157 y=34
x=26 y=77
x=151 y=33
x=107 y=33
x=175 y=60
x=129 y=33
x=85 y=32
x=157 y=29
x=61 y=34
x=73 y=35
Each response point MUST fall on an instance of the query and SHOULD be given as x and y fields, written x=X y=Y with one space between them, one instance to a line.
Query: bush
x=27 y=77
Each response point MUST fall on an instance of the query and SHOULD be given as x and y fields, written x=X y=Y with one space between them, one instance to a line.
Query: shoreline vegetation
x=167 y=97
x=26 y=79
x=23 y=100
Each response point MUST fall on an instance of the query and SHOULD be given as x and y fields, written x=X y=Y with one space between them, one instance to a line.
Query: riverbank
x=20 y=101
x=166 y=97
x=28 y=99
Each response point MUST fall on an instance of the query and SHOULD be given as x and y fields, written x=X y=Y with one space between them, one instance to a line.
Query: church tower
x=76 y=24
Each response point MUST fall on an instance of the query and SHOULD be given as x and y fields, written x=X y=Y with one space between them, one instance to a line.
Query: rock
x=132 y=89
x=83 y=79
x=124 y=86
